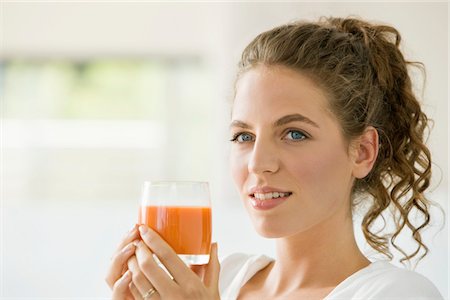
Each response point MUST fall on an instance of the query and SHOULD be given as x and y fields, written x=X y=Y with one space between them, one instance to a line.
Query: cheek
x=323 y=174
x=238 y=168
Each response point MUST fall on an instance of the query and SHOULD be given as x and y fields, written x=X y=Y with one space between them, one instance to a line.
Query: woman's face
x=288 y=158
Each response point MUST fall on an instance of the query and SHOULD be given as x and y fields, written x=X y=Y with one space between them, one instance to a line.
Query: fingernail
x=126 y=275
x=128 y=248
x=143 y=229
x=130 y=233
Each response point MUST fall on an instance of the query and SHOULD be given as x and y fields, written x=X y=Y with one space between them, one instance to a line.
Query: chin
x=268 y=229
x=269 y=234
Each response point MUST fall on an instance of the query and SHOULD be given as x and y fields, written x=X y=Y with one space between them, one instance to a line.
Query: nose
x=263 y=158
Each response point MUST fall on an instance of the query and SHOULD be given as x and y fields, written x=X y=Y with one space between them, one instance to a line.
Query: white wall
x=53 y=249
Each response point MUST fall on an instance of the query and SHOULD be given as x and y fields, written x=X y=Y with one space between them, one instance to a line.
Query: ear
x=364 y=152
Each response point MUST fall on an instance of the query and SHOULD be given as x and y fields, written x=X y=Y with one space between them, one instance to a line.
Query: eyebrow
x=280 y=122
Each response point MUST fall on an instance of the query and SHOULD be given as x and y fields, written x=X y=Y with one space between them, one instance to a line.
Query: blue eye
x=296 y=135
x=242 y=137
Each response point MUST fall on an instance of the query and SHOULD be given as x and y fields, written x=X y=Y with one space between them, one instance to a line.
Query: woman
x=324 y=123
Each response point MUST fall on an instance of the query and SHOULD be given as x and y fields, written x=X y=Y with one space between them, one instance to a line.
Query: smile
x=266 y=201
x=267 y=196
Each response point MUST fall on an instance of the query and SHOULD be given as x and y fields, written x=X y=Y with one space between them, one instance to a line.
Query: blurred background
x=98 y=97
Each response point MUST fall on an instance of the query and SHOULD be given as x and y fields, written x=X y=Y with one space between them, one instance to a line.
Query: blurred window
x=98 y=128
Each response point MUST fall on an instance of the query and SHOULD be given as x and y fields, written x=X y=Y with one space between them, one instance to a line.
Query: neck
x=320 y=257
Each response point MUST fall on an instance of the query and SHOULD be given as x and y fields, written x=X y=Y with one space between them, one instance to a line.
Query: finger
x=134 y=291
x=177 y=268
x=156 y=275
x=212 y=271
x=199 y=270
x=138 y=278
x=130 y=236
x=116 y=269
x=120 y=287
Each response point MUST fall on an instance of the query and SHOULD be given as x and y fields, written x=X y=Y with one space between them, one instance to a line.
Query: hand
x=118 y=276
x=185 y=284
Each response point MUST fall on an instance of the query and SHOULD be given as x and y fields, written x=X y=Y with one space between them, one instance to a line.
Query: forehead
x=278 y=89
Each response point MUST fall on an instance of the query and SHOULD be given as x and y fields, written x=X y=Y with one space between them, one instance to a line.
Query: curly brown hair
x=361 y=68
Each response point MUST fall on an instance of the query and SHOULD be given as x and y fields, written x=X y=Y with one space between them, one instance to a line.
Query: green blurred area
x=100 y=89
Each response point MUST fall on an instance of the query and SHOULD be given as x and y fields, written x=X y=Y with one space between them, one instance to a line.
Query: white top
x=379 y=280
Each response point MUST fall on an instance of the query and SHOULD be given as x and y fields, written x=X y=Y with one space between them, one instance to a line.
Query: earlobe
x=365 y=152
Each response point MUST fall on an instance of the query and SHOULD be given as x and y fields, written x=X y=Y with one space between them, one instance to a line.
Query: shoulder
x=237 y=268
x=235 y=259
x=382 y=280
x=393 y=281
x=237 y=263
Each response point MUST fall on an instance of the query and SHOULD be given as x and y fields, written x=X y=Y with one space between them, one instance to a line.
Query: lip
x=266 y=204
x=265 y=189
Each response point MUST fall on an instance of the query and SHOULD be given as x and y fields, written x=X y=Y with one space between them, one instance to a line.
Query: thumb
x=212 y=272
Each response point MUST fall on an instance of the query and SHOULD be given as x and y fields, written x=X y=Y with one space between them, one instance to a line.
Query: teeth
x=267 y=196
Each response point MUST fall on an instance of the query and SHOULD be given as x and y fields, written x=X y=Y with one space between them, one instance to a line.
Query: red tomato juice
x=186 y=229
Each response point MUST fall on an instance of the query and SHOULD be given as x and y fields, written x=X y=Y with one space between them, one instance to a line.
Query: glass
x=181 y=213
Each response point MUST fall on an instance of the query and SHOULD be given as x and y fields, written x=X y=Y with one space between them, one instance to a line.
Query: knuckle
x=192 y=292
x=138 y=276
x=165 y=253
x=150 y=239
x=117 y=258
x=144 y=264
x=130 y=263
x=129 y=234
x=176 y=293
